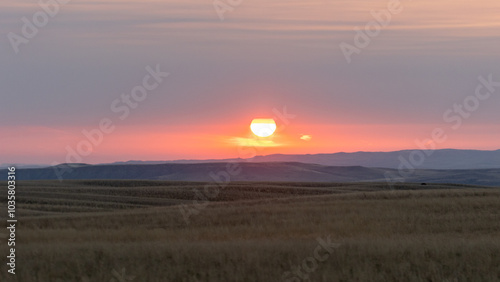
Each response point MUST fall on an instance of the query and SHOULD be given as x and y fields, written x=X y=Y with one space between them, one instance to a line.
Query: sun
x=263 y=127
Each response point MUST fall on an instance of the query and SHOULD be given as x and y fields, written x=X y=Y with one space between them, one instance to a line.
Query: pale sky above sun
x=263 y=57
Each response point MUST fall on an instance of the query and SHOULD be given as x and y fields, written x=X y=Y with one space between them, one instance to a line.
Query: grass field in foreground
x=135 y=231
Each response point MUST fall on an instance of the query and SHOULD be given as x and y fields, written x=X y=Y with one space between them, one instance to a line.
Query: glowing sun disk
x=263 y=127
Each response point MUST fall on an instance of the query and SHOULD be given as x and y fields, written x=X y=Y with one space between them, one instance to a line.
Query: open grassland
x=135 y=231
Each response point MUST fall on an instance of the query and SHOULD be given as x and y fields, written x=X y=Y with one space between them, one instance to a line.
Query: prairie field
x=119 y=230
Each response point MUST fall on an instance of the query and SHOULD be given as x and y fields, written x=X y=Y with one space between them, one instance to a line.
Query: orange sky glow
x=237 y=141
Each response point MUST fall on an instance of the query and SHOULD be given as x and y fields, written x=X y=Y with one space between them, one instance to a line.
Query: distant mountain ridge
x=447 y=165
x=252 y=171
x=438 y=159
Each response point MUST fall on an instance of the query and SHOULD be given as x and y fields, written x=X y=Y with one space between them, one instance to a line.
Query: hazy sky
x=262 y=55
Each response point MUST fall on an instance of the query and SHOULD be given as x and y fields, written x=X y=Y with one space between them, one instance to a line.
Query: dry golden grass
x=81 y=231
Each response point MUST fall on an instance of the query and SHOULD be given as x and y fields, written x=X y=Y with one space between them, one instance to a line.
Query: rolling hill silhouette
x=250 y=171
